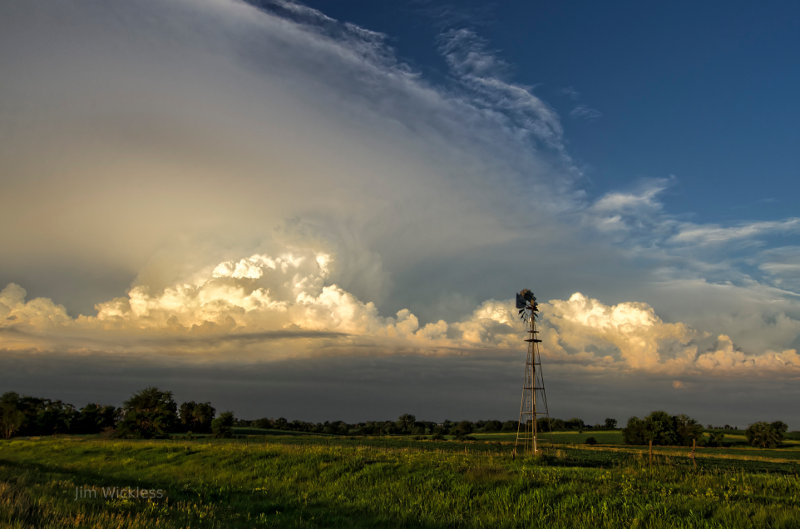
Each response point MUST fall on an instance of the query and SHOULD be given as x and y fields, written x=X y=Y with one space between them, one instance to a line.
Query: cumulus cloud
x=256 y=301
x=286 y=296
x=630 y=336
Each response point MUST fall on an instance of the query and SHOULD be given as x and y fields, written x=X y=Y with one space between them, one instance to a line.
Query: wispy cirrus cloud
x=715 y=234
x=480 y=69
x=585 y=112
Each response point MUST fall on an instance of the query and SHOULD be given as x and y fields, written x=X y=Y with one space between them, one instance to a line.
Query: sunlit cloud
x=258 y=300
x=231 y=183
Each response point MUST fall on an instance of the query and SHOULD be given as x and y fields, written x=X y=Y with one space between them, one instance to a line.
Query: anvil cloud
x=215 y=182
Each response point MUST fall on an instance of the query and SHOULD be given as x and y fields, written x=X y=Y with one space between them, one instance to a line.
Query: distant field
x=280 y=480
x=601 y=436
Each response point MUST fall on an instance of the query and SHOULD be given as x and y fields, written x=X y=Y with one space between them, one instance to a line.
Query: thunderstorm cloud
x=222 y=183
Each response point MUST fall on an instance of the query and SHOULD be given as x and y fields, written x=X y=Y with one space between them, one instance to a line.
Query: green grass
x=325 y=481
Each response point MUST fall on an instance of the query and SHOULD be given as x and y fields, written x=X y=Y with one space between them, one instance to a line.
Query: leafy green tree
x=262 y=423
x=510 y=426
x=94 y=418
x=686 y=430
x=462 y=428
x=55 y=417
x=766 y=435
x=492 y=426
x=405 y=423
x=222 y=426
x=662 y=429
x=543 y=424
x=610 y=424
x=196 y=417
x=715 y=439
x=575 y=424
x=635 y=433
x=11 y=417
x=149 y=413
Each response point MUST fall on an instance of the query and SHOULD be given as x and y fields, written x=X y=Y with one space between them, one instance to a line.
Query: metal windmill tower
x=534 y=399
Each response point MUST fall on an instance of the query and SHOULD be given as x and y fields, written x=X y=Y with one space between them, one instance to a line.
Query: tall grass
x=285 y=482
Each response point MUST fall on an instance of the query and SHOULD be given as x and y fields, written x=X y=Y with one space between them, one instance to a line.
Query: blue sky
x=702 y=91
x=235 y=193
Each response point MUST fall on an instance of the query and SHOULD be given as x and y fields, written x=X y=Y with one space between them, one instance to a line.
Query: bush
x=591 y=441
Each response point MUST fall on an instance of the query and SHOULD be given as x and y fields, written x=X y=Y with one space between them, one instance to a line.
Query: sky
x=323 y=210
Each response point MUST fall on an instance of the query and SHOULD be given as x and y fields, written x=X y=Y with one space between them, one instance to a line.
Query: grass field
x=324 y=481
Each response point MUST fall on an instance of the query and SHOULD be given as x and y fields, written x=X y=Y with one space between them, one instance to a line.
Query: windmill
x=533 y=385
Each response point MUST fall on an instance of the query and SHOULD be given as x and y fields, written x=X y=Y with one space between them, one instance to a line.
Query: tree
x=510 y=426
x=262 y=423
x=686 y=429
x=610 y=424
x=222 y=426
x=635 y=433
x=492 y=426
x=766 y=435
x=715 y=439
x=543 y=424
x=11 y=417
x=405 y=423
x=149 y=413
x=462 y=429
x=196 y=417
x=662 y=429
x=575 y=424
x=94 y=418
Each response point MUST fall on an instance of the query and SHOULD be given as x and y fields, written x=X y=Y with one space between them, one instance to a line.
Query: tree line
x=152 y=413
x=661 y=428
x=149 y=413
